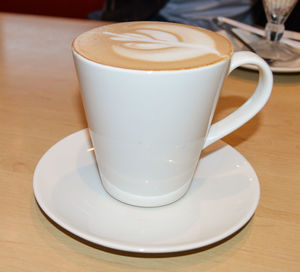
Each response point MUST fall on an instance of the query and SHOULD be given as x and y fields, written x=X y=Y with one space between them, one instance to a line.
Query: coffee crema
x=152 y=46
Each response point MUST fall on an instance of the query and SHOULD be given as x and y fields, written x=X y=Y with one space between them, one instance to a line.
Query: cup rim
x=140 y=71
x=88 y=60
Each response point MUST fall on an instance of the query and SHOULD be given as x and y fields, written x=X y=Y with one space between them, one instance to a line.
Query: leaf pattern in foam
x=156 y=39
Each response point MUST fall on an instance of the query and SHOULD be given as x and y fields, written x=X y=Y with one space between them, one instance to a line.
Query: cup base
x=142 y=201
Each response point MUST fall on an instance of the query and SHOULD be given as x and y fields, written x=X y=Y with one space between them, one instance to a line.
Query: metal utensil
x=229 y=31
x=289 y=37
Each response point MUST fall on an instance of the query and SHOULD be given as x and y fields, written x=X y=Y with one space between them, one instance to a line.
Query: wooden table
x=40 y=104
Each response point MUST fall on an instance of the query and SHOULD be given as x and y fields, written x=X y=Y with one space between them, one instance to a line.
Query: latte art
x=145 y=45
x=152 y=46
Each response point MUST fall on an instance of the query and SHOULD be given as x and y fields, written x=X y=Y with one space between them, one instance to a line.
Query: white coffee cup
x=148 y=127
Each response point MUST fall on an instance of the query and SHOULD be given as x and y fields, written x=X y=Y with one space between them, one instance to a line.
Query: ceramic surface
x=222 y=198
x=149 y=127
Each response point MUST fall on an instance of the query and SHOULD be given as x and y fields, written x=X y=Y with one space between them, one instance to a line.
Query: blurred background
x=117 y=10
x=59 y=8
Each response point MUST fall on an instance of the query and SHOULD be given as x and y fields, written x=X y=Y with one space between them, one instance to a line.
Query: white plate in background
x=277 y=67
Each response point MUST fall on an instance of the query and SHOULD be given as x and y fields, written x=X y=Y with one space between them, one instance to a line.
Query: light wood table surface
x=40 y=104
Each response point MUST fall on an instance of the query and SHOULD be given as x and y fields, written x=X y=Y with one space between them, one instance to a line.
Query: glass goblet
x=277 y=12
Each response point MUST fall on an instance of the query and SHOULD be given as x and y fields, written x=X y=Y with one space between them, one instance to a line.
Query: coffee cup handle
x=252 y=106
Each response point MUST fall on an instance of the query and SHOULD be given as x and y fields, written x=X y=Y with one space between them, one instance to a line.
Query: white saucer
x=223 y=197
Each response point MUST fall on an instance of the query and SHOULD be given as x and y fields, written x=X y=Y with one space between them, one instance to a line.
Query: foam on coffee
x=152 y=46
